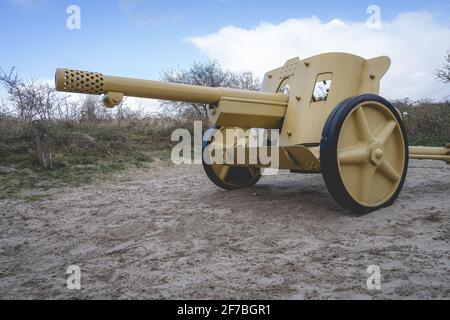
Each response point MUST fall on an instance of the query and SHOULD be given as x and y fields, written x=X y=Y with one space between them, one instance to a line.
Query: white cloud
x=414 y=41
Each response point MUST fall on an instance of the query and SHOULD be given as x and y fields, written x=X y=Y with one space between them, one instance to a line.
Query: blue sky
x=142 y=38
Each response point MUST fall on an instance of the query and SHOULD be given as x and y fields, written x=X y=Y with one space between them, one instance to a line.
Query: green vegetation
x=36 y=198
x=427 y=123
x=81 y=153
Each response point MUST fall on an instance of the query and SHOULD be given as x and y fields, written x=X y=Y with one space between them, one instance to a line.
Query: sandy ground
x=167 y=232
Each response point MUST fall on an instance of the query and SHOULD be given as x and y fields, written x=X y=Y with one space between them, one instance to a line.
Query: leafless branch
x=443 y=74
x=209 y=74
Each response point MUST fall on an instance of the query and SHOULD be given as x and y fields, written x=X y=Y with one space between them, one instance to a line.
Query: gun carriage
x=329 y=114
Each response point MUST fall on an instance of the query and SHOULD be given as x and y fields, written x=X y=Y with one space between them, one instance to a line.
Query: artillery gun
x=327 y=109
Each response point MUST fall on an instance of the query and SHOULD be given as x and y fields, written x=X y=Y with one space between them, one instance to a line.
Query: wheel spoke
x=353 y=155
x=366 y=183
x=387 y=130
x=388 y=171
x=362 y=126
x=224 y=172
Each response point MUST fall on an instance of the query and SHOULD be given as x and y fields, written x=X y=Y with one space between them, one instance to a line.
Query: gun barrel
x=96 y=83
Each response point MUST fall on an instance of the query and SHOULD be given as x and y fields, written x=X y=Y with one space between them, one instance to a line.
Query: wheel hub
x=371 y=154
x=376 y=154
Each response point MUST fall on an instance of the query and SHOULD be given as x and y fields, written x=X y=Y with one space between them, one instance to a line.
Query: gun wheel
x=229 y=177
x=364 y=154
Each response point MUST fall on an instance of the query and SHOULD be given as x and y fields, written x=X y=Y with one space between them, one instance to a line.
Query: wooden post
x=43 y=149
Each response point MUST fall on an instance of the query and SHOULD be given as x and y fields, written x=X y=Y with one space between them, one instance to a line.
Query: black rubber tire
x=240 y=176
x=328 y=153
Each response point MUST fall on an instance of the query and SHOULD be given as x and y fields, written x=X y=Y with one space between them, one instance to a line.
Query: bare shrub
x=443 y=74
x=209 y=74
x=31 y=100
x=36 y=104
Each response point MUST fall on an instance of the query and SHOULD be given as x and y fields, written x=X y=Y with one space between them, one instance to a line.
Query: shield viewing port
x=322 y=87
